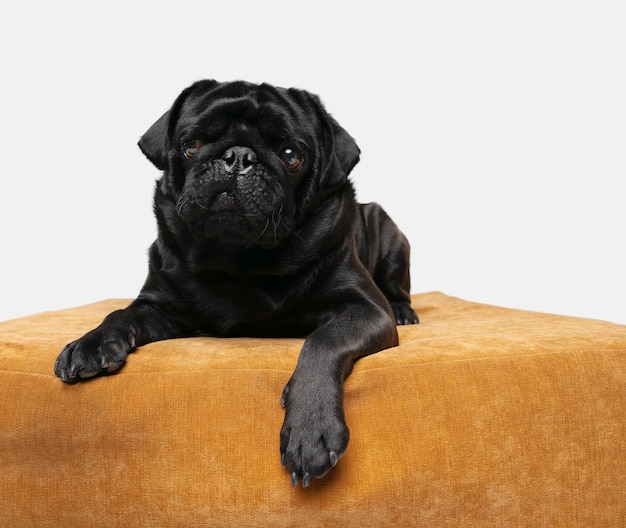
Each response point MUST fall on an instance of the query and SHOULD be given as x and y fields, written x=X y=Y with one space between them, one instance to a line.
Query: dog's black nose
x=239 y=159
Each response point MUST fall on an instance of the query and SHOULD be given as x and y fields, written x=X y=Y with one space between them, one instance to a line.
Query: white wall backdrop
x=493 y=132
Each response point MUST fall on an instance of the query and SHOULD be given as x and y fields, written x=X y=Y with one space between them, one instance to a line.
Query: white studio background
x=493 y=132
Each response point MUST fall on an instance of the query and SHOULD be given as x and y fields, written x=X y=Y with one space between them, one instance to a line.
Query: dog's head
x=244 y=163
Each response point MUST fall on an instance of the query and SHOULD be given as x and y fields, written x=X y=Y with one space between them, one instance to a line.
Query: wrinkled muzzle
x=236 y=199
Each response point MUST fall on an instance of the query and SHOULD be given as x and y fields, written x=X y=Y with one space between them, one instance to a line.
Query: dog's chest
x=224 y=304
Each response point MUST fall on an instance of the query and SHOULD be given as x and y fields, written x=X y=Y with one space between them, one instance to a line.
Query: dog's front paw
x=404 y=314
x=100 y=351
x=314 y=435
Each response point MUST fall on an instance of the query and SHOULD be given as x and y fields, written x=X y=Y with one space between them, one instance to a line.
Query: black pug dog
x=259 y=234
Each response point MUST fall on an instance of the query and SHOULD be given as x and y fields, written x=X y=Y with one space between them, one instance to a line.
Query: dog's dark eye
x=292 y=159
x=189 y=148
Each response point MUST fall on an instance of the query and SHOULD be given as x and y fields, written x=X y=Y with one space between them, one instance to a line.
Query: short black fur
x=259 y=234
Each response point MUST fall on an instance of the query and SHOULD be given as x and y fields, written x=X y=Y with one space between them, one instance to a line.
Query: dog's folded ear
x=341 y=151
x=156 y=142
x=346 y=154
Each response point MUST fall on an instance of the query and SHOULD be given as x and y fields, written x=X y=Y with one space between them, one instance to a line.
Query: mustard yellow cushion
x=483 y=416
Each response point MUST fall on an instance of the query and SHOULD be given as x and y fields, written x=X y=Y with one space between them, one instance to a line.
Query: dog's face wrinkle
x=268 y=204
x=249 y=117
x=214 y=118
x=253 y=202
x=245 y=209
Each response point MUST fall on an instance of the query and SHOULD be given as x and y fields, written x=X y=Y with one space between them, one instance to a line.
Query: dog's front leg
x=105 y=348
x=314 y=435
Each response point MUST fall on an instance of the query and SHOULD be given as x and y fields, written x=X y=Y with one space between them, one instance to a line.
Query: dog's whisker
x=181 y=204
x=263 y=231
x=280 y=216
x=277 y=222
x=294 y=233
x=198 y=202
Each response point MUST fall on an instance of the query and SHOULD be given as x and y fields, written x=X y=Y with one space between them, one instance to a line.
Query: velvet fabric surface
x=482 y=416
